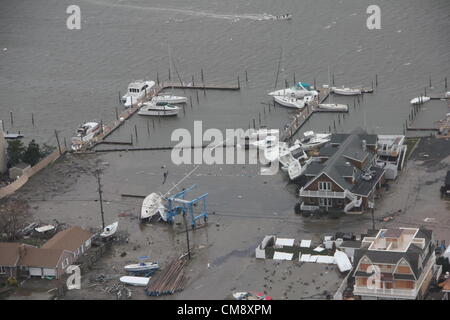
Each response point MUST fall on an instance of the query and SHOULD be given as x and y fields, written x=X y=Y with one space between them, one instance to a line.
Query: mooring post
x=293 y=78
x=120 y=99
x=190 y=101
x=117 y=114
x=135 y=131
x=203 y=78
x=170 y=76
x=11 y=118
x=57 y=141
x=445 y=83
x=315 y=83
x=153 y=121
x=286 y=83
x=376 y=80
x=193 y=83
x=259 y=116
x=65 y=143
x=32 y=119
x=198 y=100
x=430 y=83
x=148 y=127
x=254 y=124
x=157 y=78
x=238 y=82
x=246 y=76
x=333 y=80
x=131 y=139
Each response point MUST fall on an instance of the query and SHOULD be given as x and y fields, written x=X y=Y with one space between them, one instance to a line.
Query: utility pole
x=101 y=200
x=187 y=234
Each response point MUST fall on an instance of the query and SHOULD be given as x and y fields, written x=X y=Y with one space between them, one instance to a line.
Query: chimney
x=22 y=251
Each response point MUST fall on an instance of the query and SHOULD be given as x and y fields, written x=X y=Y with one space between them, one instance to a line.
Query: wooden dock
x=305 y=114
x=126 y=114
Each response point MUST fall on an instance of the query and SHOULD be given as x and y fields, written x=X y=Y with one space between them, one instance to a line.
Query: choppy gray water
x=65 y=77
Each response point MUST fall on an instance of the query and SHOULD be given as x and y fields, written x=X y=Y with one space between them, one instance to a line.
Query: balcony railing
x=387 y=293
x=322 y=194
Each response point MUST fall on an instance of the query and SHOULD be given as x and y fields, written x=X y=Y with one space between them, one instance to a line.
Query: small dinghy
x=109 y=230
x=420 y=100
x=346 y=91
x=332 y=107
x=135 y=281
x=169 y=99
x=290 y=102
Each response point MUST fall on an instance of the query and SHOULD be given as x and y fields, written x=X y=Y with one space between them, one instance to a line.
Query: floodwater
x=65 y=77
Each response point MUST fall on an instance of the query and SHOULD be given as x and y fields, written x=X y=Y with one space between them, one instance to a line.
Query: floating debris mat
x=172 y=279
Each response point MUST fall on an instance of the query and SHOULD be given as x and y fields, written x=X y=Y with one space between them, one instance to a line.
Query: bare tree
x=13 y=215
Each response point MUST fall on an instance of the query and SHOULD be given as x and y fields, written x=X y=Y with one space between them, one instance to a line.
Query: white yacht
x=346 y=91
x=169 y=99
x=85 y=133
x=158 y=109
x=300 y=90
x=137 y=91
x=290 y=102
x=313 y=140
x=152 y=206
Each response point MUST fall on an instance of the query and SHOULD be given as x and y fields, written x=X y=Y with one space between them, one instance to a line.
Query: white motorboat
x=142 y=266
x=333 y=107
x=267 y=142
x=135 y=281
x=419 y=100
x=290 y=102
x=85 y=133
x=152 y=206
x=137 y=91
x=158 y=109
x=169 y=99
x=346 y=91
x=297 y=168
x=313 y=140
x=300 y=90
x=109 y=230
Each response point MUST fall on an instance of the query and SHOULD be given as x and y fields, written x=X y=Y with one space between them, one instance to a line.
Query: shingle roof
x=9 y=253
x=39 y=257
x=69 y=239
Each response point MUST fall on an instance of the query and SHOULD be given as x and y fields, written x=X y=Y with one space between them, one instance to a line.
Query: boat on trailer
x=158 y=109
x=142 y=267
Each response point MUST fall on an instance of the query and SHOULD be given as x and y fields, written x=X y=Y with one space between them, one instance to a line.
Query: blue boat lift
x=178 y=204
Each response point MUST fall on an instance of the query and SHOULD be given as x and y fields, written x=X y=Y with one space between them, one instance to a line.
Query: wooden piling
x=11 y=118
x=117 y=114
x=32 y=119
x=57 y=141
x=376 y=80
x=193 y=83
x=246 y=76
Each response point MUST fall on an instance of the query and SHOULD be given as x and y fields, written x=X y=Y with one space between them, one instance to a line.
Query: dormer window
x=325 y=186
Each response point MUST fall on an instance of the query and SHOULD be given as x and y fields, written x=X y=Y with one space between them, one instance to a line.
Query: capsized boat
x=290 y=102
x=296 y=168
x=169 y=99
x=313 y=140
x=333 y=107
x=136 y=91
x=158 y=109
x=135 y=281
x=300 y=90
x=85 y=133
x=152 y=206
x=419 y=100
x=109 y=230
x=346 y=91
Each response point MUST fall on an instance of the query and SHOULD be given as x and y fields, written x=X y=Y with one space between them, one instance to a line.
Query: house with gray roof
x=345 y=178
x=395 y=264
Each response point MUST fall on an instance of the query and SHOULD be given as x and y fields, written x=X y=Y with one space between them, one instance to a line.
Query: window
x=325 y=202
x=325 y=185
